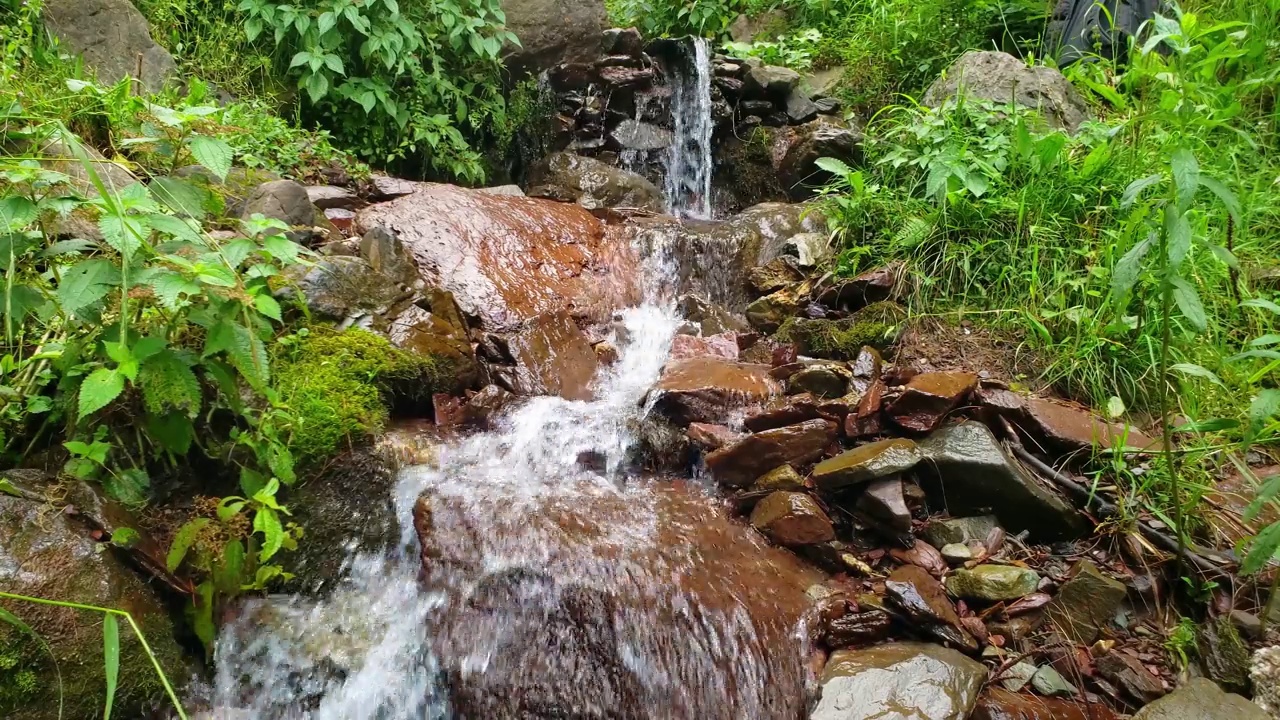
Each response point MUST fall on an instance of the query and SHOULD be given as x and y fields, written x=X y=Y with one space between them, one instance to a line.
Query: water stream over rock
x=688 y=179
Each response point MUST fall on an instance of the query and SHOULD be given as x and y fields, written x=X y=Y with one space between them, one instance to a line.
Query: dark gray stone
x=1001 y=78
x=110 y=35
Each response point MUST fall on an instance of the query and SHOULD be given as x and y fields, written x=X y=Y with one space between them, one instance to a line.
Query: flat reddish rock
x=929 y=398
x=1071 y=427
x=998 y=704
x=724 y=345
x=553 y=357
x=782 y=412
x=708 y=390
x=711 y=437
x=792 y=519
x=739 y=464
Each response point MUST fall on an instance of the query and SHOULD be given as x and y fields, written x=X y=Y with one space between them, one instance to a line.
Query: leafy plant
x=795 y=50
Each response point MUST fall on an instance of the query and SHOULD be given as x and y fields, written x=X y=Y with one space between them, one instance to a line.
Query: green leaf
x=1188 y=301
x=1136 y=188
x=129 y=486
x=85 y=283
x=183 y=540
x=125 y=537
x=99 y=389
x=1225 y=256
x=317 y=86
x=1268 y=491
x=1264 y=407
x=184 y=198
x=172 y=288
x=324 y=24
x=267 y=522
x=237 y=250
x=243 y=348
x=1197 y=371
x=334 y=63
x=1224 y=194
x=168 y=384
x=1115 y=407
x=1128 y=268
x=1262 y=549
x=173 y=431
x=1177 y=236
x=110 y=659
x=201 y=610
x=268 y=306
x=214 y=154
x=16 y=212
x=228 y=572
x=1186 y=175
x=281 y=248
x=124 y=233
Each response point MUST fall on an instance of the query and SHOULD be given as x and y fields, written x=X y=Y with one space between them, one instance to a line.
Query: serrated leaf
x=172 y=289
x=281 y=248
x=1136 y=188
x=1188 y=301
x=267 y=522
x=124 y=233
x=99 y=389
x=237 y=250
x=1186 y=175
x=216 y=155
x=181 y=196
x=16 y=212
x=173 y=431
x=1128 y=268
x=1262 y=549
x=85 y=283
x=228 y=572
x=169 y=384
x=1224 y=194
x=833 y=166
x=1197 y=371
x=1177 y=236
x=128 y=486
x=110 y=660
x=183 y=540
x=268 y=306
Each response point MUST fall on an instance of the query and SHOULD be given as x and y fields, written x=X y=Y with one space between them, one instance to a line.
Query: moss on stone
x=341 y=387
x=745 y=169
x=875 y=325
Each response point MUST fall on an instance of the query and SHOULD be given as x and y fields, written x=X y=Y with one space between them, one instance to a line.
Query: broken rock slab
x=553 y=357
x=739 y=464
x=965 y=470
x=929 y=397
x=1085 y=604
x=1201 y=699
x=1069 y=427
x=885 y=503
x=899 y=681
x=792 y=519
x=866 y=463
x=709 y=389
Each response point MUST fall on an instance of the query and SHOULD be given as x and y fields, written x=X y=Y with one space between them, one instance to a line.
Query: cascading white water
x=688 y=180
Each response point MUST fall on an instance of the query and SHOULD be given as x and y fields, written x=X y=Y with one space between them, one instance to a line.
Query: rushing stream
x=540 y=574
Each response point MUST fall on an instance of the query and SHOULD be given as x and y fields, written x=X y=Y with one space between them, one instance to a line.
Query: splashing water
x=538 y=574
x=688 y=181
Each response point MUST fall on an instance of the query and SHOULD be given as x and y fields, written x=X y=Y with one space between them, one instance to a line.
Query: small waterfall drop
x=688 y=181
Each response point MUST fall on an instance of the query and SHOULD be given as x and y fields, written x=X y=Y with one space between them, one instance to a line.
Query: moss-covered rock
x=341 y=387
x=46 y=554
x=875 y=325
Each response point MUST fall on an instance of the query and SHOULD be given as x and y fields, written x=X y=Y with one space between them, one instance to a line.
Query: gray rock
x=959 y=530
x=866 y=463
x=771 y=81
x=794 y=154
x=552 y=32
x=329 y=196
x=592 y=184
x=1050 y=683
x=822 y=380
x=992 y=582
x=899 y=681
x=638 y=135
x=1224 y=654
x=1017 y=676
x=800 y=109
x=508 y=190
x=387 y=255
x=809 y=248
x=1001 y=78
x=956 y=553
x=712 y=319
x=1201 y=699
x=338 y=287
x=827 y=105
x=283 y=200
x=967 y=471
x=1086 y=603
x=884 y=502
x=55 y=155
x=110 y=35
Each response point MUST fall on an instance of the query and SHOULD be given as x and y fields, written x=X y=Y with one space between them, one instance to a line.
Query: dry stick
x=1104 y=507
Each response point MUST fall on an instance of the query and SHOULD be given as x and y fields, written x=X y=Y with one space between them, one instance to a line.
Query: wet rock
x=711 y=318
x=622 y=41
x=782 y=412
x=921 y=554
x=800 y=109
x=822 y=380
x=1017 y=676
x=915 y=592
x=997 y=704
x=883 y=502
x=383 y=187
x=792 y=519
x=327 y=197
x=643 y=136
x=796 y=150
x=1001 y=78
x=711 y=437
x=866 y=463
x=771 y=81
x=899 y=681
x=1071 y=427
x=993 y=582
x=283 y=200
x=874 y=326
x=114 y=40
x=660 y=446
x=1127 y=673
x=720 y=346
x=482 y=248
x=592 y=184
x=738 y=464
x=767 y=314
x=512 y=190
x=1086 y=603
x=552 y=357
x=435 y=327
x=956 y=554
x=1201 y=699
x=335 y=288
x=551 y=32
x=617 y=77
x=783 y=477
x=967 y=471
x=386 y=254
x=1224 y=654
x=777 y=274
x=929 y=398
x=858 y=628
x=865 y=418
x=1050 y=683
x=45 y=553
x=485 y=407
x=872 y=286
x=707 y=390
x=343 y=220
x=959 y=530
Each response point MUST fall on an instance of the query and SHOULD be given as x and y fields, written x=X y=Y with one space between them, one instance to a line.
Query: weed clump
x=875 y=325
x=341 y=387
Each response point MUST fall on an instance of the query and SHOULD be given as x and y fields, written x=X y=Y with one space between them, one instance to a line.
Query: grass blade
x=110 y=659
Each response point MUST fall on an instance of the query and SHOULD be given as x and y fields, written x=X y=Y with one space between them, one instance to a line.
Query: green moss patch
x=341 y=386
x=875 y=325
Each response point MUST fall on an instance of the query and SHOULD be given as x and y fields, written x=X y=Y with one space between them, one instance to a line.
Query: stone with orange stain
x=724 y=345
x=508 y=259
x=1069 y=427
x=929 y=398
x=792 y=519
x=553 y=357
x=709 y=389
x=737 y=465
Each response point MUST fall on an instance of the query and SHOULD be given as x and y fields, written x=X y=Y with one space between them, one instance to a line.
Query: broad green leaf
x=1262 y=549
x=228 y=572
x=1128 y=268
x=268 y=306
x=1251 y=354
x=69 y=247
x=99 y=389
x=1115 y=407
x=168 y=384
x=237 y=250
x=129 y=486
x=267 y=522
x=172 y=289
x=22 y=300
x=181 y=196
x=1268 y=491
x=1225 y=255
x=1265 y=406
x=125 y=537
x=1261 y=303
x=243 y=348
x=1188 y=301
x=183 y=540
x=110 y=659
x=1136 y=188
x=1177 y=228
x=1186 y=175
x=16 y=212
x=1224 y=194
x=833 y=166
x=251 y=481
x=214 y=154
x=85 y=283
x=201 y=615
x=281 y=248
x=173 y=431
x=1197 y=371
x=1095 y=160
x=1265 y=340
x=317 y=86
x=122 y=232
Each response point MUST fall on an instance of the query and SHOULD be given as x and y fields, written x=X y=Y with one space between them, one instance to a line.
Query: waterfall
x=688 y=180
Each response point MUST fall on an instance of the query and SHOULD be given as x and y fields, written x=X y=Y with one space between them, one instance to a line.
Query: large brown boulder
x=710 y=389
x=899 y=680
x=553 y=357
x=1001 y=78
x=110 y=35
x=508 y=259
x=739 y=464
x=553 y=31
x=592 y=184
